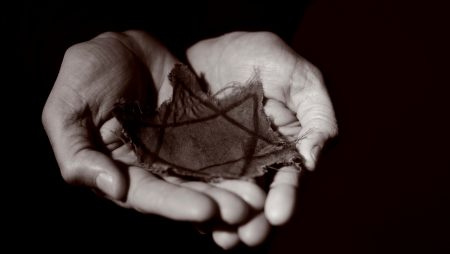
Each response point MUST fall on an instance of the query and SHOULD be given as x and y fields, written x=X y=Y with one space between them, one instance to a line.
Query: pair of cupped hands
x=132 y=65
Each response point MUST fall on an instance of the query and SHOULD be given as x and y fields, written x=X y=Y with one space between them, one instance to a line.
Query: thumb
x=312 y=104
x=81 y=163
x=310 y=145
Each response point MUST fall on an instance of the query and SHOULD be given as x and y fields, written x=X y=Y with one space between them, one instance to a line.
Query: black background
x=382 y=186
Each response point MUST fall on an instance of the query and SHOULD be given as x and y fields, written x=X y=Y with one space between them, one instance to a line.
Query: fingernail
x=105 y=183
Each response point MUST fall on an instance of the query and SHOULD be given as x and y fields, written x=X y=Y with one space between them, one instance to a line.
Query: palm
x=93 y=77
x=235 y=58
x=297 y=101
x=124 y=77
x=111 y=73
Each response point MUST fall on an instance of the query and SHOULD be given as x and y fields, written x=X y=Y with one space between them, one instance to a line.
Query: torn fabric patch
x=199 y=136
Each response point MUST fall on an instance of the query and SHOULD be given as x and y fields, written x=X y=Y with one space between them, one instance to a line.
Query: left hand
x=297 y=103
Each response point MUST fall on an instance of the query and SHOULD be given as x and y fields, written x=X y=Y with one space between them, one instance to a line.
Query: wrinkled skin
x=95 y=74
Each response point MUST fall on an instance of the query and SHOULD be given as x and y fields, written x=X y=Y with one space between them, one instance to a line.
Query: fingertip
x=311 y=143
x=309 y=154
x=112 y=187
x=225 y=239
x=105 y=184
x=110 y=180
x=199 y=209
x=282 y=196
x=236 y=214
x=310 y=164
x=232 y=208
x=249 y=192
x=280 y=204
x=255 y=231
x=151 y=195
x=191 y=205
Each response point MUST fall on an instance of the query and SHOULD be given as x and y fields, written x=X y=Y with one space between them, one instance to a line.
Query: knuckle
x=113 y=35
x=122 y=39
x=97 y=50
x=266 y=39
x=118 y=38
x=201 y=214
x=122 y=35
x=133 y=33
x=76 y=49
x=261 y=37
x=267 y=36
x=81 y=55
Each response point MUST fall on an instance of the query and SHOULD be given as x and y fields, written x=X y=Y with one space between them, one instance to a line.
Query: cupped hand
x=85 y=135
x=297 y=103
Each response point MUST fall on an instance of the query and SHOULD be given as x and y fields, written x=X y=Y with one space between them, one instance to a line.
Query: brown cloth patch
x=196 y=135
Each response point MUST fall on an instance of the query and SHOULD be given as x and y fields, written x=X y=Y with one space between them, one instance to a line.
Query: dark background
x=382 y=186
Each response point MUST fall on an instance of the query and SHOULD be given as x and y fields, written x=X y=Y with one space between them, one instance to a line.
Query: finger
x=233 y=209
x=111 y=136
x=78 y=158
x=283 y=118
x=226 y=239
x=278 y=113
x=248 y=191
x=309 y=99
x=310 y=145
x=282 y=196
x=255 y=231
x=150 y=194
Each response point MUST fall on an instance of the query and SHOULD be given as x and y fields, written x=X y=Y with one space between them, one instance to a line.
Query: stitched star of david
x=198 y=135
